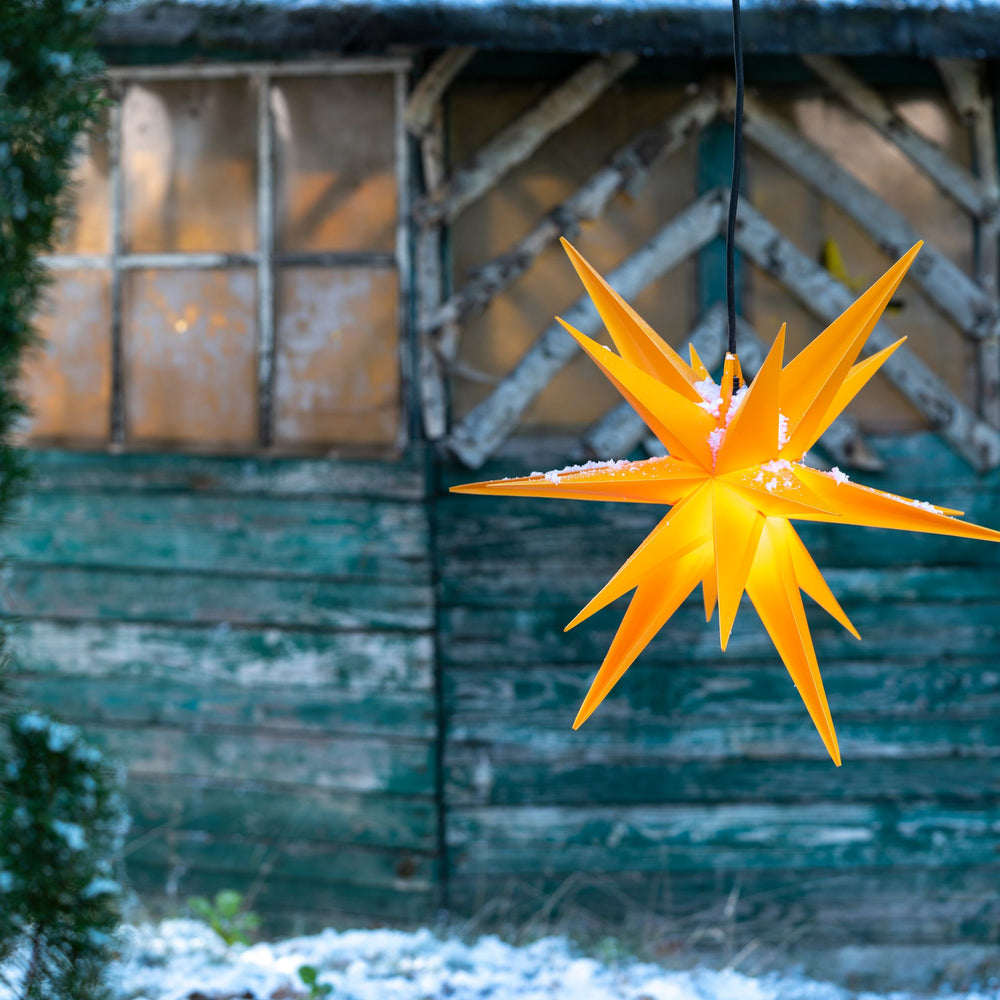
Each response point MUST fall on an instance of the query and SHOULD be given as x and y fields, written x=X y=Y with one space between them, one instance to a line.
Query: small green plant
x=309 y=975
x=62 y=824
x=226 y=916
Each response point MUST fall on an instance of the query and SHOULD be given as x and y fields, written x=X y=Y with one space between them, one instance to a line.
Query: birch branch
x=965 y=81
x=488 y=425
x=427 y=94
x=626 y=170
x=953 y=179
x=825 y=297
x=954 y=293
x=515 y=143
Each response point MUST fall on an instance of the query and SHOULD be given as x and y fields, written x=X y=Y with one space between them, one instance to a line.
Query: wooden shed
x=310 y=282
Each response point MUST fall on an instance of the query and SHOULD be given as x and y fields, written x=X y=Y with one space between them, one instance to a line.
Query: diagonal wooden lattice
x=973 y=306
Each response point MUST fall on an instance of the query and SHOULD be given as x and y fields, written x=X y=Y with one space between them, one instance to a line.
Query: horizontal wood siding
x=254 y=640
x=700 y=788
x=270 y=647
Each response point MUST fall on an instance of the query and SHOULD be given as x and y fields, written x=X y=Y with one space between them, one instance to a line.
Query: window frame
x=265 y=259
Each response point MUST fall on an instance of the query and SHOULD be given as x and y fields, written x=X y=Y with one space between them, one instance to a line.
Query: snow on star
x=733 y=479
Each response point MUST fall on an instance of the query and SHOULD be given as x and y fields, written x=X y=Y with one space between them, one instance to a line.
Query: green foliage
x=226 y=916
x=309 y=975
x=61 y=819
x=49 y=93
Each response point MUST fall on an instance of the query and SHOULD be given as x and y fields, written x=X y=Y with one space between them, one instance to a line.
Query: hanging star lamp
x=734 y=476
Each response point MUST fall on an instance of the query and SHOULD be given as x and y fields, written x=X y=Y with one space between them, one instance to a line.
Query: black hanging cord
x=734 y=193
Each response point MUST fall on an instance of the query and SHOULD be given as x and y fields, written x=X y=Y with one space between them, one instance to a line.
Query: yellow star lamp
x=733 y=479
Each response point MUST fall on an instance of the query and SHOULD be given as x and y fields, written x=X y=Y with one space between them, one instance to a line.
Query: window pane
x=335 y=163
x=191 y=357
x=67 y=378
x=86 y=228
x=337 y=364
x=189 y=153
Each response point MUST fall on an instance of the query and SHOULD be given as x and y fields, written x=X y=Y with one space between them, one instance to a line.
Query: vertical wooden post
x=265 y=262
x=117 y=183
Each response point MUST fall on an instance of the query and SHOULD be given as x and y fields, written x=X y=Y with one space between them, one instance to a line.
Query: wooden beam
x=626 y=170
x=515 y=143
x=952 y=291
x=826 y=298
x=622 y=429
x=965 y=81
x=953 y=179
x=425 y=98
x=432 y=380
x=494 y=419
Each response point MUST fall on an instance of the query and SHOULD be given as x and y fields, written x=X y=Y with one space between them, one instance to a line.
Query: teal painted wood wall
x=254 y=640
x=700 y=783
x=279 y=649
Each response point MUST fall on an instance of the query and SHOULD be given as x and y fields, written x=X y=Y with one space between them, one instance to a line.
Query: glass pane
x=337 y=362
x=86 y=228
x=191 y=357
x=335 y=163
x=189 y=153
x=67 y=378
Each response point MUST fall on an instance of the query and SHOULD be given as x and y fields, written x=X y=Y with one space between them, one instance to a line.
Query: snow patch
x=553 y=476
x=715 y=439
x=178 y=958
x=782 y=429
x=839 y=477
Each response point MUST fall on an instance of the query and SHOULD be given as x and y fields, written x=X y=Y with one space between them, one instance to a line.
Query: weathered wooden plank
x=426 y=95
x=950 y=177
x=825 y=297
x=918 y=689
x=319 y=661
x=515 y=143
x=948 y=287
x=794 y=911
x=550 y=537
x=321 y=867
x=514 y=775
x=625 y=171
x=495 y=636
x=484 y=585
x=735 y=837
x=330 y=763
x=488 y=425
x=98 y=593
x=403 y=478
x=259 y=810
x=270 y=709
x=377 y=539
x=724 y=740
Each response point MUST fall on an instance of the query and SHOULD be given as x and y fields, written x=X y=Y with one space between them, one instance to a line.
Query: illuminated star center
x=733 y=477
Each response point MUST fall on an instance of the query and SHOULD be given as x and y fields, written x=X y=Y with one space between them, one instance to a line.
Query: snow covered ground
x=178 y=958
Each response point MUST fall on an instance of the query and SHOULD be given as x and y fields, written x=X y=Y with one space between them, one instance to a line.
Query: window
x=233 y=275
